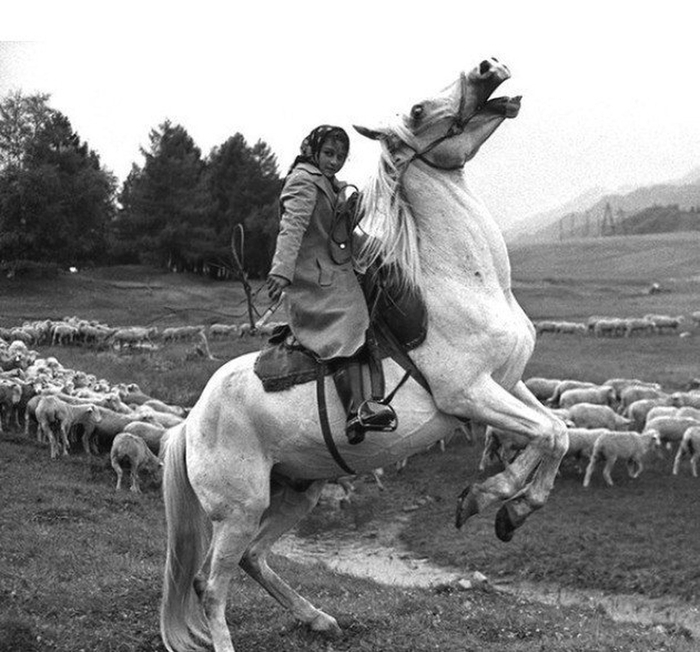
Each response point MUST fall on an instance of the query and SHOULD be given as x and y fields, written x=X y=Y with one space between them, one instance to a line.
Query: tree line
x=179 y=209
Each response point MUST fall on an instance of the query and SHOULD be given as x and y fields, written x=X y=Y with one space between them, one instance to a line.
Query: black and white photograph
x=334 y=327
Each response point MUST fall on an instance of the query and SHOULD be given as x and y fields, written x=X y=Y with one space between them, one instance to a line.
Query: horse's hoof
x=466 y=506
x=326 y=625
x=507 y=523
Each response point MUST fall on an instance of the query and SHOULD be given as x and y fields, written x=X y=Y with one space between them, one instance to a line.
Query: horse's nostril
x=484 y=67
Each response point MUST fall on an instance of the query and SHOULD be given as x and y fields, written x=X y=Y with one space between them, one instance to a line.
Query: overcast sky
x=610 y=91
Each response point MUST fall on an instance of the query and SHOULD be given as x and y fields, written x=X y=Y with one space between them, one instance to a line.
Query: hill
x=586 y=214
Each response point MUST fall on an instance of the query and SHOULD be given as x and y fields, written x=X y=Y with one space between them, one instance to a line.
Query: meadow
x=80 y=564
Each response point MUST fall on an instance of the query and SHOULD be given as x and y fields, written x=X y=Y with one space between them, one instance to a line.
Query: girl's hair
x=311 y=145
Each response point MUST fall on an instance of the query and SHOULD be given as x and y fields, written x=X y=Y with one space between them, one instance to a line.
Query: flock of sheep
x=602 y=326
x=73 y=331
x=63 y=407
x=620 y=419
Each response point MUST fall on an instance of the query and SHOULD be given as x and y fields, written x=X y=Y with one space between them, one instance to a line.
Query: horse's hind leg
x=232 y=532
x=287 y=507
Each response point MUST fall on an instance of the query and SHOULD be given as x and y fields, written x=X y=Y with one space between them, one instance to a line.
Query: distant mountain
x=593 y=212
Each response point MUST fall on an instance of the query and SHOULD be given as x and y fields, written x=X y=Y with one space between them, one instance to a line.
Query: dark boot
x=362 y=415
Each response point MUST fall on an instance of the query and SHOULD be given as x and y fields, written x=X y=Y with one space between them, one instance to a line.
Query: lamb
x=600 y=395
x=52 y=412
x=690 y=445
x=592 y=415
x=639 y=325
x=130 y=448
x=222 y=330
x=630 y=446
x=661 y=411
x=620 y=383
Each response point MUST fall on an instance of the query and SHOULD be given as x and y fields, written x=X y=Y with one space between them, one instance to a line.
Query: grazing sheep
x=132 y=449
x=661 y=411
x=630 y=446
x=160 y=406
x=542 y=388
x=592 y=415
x=639 y=325
x=612 y=326
x=665 y=322
x=688 y=411
x=599 y=395
x=690 y=445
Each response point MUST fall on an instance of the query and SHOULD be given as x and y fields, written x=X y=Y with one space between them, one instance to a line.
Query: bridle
x=456 y=128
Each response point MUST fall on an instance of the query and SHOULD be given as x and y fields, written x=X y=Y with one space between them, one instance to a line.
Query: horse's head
x=447 y=130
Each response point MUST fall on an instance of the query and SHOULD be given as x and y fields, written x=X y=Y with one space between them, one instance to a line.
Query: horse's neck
x=458 y=236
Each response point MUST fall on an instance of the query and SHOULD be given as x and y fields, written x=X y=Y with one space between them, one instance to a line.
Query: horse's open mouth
x=505 y=106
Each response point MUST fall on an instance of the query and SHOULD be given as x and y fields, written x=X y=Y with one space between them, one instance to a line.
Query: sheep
x=662 y=322
x=683 y=399
x=670 y=429
x=688 y=411
x=592 y=415
x=222 y=330
x=620 y=383
x=566 y=385
x=133 y=336
x=109 y=426
x=130 y=448
x=63 y=334
x=581 y=441
x=10 y=395
x=690 y=444
x=542 y=388
x=165 y=419
x=160 y=406
x=599 y=395
x=638 y=410
x=609 y=326
x=630 y=446
x=151 y=433
x=53 y=412
x=639 y=325
x=636 y=392
x=695 y=317
x=661 y=411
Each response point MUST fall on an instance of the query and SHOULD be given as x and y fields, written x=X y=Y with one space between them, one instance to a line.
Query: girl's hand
x=275 y=286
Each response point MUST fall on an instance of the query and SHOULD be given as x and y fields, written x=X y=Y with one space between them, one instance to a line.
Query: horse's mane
x=391 y=233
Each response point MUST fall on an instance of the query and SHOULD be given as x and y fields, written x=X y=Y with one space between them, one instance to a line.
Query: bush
x=29 y=269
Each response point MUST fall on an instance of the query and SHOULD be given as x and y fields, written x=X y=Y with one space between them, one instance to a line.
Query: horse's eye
x=417 y=112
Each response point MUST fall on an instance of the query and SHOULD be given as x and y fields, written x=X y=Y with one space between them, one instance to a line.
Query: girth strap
x=323 y=418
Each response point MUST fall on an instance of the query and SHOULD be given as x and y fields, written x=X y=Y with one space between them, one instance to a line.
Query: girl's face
x=332 y=157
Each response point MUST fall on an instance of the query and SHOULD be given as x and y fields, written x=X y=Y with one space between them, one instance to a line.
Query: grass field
x=80 y=564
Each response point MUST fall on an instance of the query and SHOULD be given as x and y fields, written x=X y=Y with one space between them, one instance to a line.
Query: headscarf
x=311 y=145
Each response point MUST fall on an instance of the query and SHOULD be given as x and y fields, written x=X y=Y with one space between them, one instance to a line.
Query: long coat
x=326 y=307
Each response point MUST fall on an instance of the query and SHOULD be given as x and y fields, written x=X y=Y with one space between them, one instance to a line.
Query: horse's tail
x=182 y=619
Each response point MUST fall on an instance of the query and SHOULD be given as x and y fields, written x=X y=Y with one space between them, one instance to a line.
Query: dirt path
x=380 y=556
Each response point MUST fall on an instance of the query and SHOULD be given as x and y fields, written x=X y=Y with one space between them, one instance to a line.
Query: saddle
x=398 y=324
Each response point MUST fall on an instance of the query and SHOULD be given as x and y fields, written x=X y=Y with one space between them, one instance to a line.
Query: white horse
x=247 y=465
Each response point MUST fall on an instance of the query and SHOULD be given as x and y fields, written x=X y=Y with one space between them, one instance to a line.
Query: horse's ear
x=373 y=134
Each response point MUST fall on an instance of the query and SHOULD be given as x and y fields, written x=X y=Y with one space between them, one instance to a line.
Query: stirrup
x=374 y=415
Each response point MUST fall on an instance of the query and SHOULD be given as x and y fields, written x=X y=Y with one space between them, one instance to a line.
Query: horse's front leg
x=526 y=483
x=287 y=507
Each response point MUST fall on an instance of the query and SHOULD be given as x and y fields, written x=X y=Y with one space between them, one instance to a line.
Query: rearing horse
x=247 y=465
